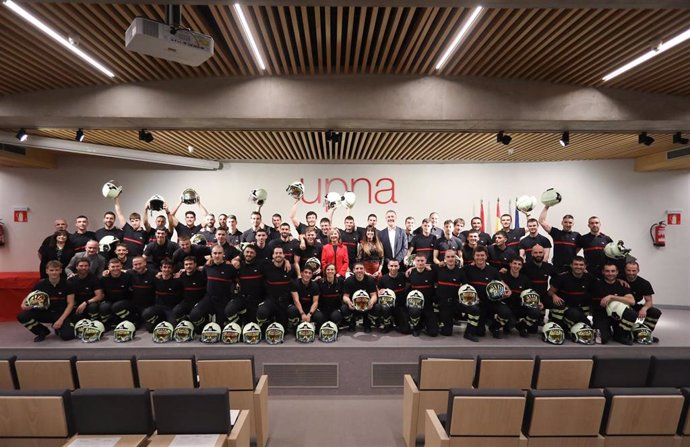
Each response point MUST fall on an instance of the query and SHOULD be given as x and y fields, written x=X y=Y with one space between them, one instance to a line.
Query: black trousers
x=497 y=314
x=609 y=327
x=652 y=317
x=208 y=305
x=155 y=314
x=369 y=317
x=425 y=318
x=294 y=317
x=273 y=309
x=32 y=319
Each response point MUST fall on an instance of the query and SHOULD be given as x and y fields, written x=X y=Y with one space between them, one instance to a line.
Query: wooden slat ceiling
x=574 y=46
x=382 y=146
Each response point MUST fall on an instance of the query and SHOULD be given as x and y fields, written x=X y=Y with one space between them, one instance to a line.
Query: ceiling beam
x=98 y=150
x=348 y=103
x=660 y=162
x=547 y=4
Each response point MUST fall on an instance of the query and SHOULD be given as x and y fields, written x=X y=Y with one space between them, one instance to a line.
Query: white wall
x=627 y=202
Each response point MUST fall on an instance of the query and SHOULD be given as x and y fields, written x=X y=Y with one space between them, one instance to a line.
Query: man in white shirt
x=393 y=239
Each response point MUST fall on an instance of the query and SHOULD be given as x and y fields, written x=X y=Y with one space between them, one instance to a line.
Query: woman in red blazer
x=335 y=253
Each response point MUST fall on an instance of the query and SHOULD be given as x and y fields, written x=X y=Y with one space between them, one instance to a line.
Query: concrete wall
x=627 y=202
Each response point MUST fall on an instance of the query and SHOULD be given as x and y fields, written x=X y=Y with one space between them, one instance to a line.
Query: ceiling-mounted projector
x=165 y=41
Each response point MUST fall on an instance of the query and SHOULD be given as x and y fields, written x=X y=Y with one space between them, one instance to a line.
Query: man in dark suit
x=393 y=239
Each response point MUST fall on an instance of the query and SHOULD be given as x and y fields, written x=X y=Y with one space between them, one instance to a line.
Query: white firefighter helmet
x=258 y=196
x=111 y=189
x=529 y=298
x=616 y=250
x=409 y=260
x=415 y=300
x=348 y=274
x=107 y=244
x=615 y=309
x=295 y=190
x=232 y=333
x=387 y=297
x=551 y=197
x=93 y=332
x=328 y=332
x=80 y=326
x=526 y=204
x=360 y=299
x=210 y=333
x=184 y=331
x=274 y=334
x=467 y=295
x=314 y=264
x=642 y=334
x=553 y=333
x=198 y=239
x=163 y=332
x=349 y=199
x=583 y=333
x=124 y=332
x=251 y=333
x=37 y=300
x=189 y=196
x=306 y=332
x=156 y=202
x=333 y=200
x=495 y=290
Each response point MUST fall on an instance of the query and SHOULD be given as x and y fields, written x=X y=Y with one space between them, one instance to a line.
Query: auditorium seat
x=118 y=413
x=504 y=372
x=197 y=411
x=236 y=373
x=684 y=425
x=36 y=418
x=157 y=373
x=7 y=380
x=621 y=372
x=478 y=418
x=46 y=374
x=106 y=373
x=557 y=373
x=642 y=417
x=669 y=371
x=564 y=418
x=436 y=377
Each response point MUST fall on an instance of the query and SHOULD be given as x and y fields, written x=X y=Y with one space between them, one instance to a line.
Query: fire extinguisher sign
x=673 y=217
x=21 y=214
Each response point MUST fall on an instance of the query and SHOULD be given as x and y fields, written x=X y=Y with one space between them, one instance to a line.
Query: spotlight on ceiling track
x=645 y=139
x=79 y=135
x=503 y=138
x=565 y=139
x=22 y=135
x=678 y=139
x=146 y=136
x=333 y=136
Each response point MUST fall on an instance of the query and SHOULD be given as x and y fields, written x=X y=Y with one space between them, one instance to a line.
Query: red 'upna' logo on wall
x=380 y=191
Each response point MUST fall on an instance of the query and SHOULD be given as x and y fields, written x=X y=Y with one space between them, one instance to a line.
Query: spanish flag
x=497 y=225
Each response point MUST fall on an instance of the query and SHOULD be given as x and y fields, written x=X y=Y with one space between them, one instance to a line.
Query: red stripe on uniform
x=452 y=284
x=593 y=248
x=277 y=283
x=218 y=278
x=421 y=287
x=126 y=239
x=252 y=277
x=571 y=244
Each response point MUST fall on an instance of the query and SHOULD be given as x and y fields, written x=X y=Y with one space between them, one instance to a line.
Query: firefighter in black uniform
x=278 y=283
x=423 y=280
x=116 y=286
x=168 y=291
x=242 y=308
x=478 y=275
x=592 y=245
x=423 y=243
x=193 y=288
x=564 y=240
x=219 y=286
x=449 y=278
x=571 y=295
x=500 y=254
x=518 y=282
x=87 y=292
x=331 y=295
x=539 y=272
x=61 y=297
x=606 y=291
x=305 y=301
x=642 y=292
x=143 y=295
x=396 y=281
x=360 y=281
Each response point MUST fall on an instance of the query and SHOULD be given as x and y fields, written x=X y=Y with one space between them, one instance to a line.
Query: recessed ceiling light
x=26 y=15
x=190 y=148
x=22 y=135
x=663 y=46
x=249 y=36
x=458 y=37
